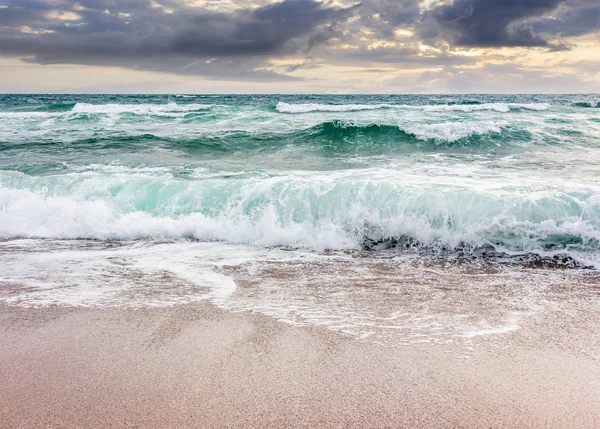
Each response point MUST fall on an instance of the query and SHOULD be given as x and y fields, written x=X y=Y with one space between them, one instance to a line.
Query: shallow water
x=395 y=299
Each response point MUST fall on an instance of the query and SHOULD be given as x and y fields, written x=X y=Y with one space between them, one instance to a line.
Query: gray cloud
x=492 y=78
x=238 y=39
x=578 y=17
x=138 y=34
x=407 y=56
x=384 y=16
x=492 y=23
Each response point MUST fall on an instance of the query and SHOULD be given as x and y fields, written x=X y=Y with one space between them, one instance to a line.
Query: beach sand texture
x=196 y=365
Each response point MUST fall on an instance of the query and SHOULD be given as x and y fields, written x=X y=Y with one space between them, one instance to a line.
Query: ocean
x=290 y=204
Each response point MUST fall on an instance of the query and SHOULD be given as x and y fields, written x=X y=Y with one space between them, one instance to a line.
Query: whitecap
x=139 y=109
x=315 y=107
x=449 y=132
x=497 y=107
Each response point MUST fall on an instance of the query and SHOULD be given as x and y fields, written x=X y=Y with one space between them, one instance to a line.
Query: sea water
x=187 y=186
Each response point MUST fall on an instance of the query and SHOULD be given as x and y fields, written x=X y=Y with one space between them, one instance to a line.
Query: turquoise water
x=474 y=176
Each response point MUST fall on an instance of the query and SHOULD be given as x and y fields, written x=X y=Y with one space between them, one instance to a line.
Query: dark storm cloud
x=226 y=68
x=493 y=23
x=578 y=17
x=237 y=40
x=22 y=13
x=165 y=36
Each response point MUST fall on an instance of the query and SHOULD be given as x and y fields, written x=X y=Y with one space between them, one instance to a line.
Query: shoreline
x=196 y=365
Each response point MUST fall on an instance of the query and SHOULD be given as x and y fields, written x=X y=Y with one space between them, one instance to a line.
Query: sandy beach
x=199 y=366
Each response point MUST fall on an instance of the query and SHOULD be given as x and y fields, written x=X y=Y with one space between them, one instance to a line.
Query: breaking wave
x=587 y=104
x=312 y=107
x=309 y=212
x=497 y=107
x=446 y=132
x=343 y=135
x=450 y=132
x=139 y=109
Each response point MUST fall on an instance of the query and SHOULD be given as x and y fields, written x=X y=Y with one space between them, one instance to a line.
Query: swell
x=139 y=109
x=57 y=107
x=82 y=108
x=307 y=211
x=336 y=135
x=587 y=104
x=409 y=132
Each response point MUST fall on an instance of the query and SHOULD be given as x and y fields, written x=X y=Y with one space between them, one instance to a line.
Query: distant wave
x=465 y=102
x=345 y=136
x=471 y=107
x=314 y=107
x=173 y=109
x=61 y=109
x=139 y=109
x=587 y=104
x=446 y=132
x=58 y=107
x=497 y=107
x=27 y=115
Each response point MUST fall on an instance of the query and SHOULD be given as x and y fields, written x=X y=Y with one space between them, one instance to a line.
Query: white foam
x=34 y=214
x=93 y=274
x=449 y=132
x=497 y=107
x=368 y=298
x=313 y=212
x=28 y=115
x=131 y=275
x=139 y=109
x=315 y=107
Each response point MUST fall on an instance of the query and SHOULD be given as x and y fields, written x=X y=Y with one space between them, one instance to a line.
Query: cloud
x=282 y=40
x=164 y=36
x=492 y=78
x=392 y=12
x=577 y=18
x=493 y=23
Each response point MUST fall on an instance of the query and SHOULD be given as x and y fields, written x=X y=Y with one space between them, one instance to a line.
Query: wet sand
x=194 y=365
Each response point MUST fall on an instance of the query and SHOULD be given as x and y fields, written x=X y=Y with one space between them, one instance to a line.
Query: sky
x=300 y=46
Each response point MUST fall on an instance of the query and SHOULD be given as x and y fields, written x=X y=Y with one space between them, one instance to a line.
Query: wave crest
x=301 y=212
x=139 y=109
x=587 y=104
x=445 y=132
x=315 y=107
x=449 y=132
x=497 y=107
